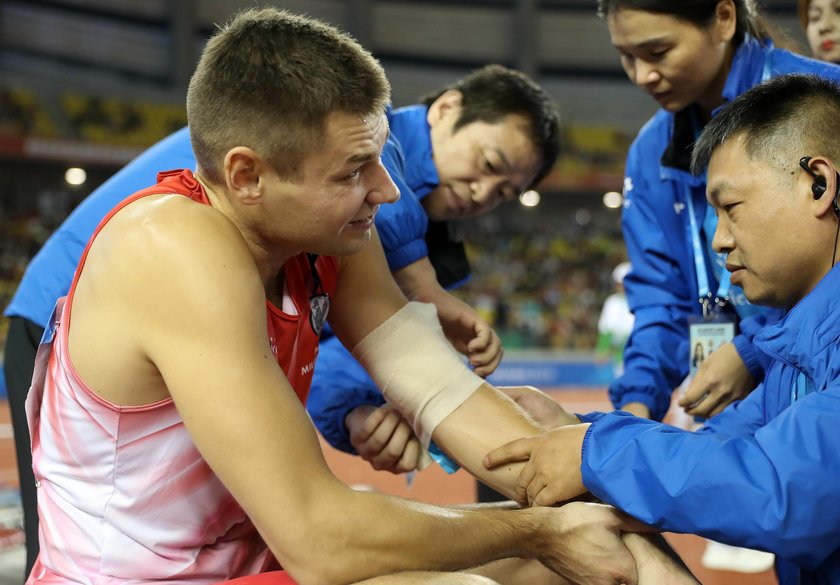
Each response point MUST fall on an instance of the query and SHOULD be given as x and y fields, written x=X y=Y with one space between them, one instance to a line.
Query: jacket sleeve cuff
x=407 y=253
x=746 y=349
x=330 y=421
x=656 y=404
x=584 y=468
x=590 y=417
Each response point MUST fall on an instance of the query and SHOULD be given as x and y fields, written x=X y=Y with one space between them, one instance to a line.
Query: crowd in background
x=540 y=278
x=542 y=281
x=26 y=221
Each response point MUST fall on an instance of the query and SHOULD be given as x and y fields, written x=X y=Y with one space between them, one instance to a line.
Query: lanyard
x=801 y=388
x=703 y=291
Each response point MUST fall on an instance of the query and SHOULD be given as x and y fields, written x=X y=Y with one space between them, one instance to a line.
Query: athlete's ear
x=242 y=174
x=448 y=104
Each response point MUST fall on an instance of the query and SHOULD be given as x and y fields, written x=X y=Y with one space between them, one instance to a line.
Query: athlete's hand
x=721 y=379
x=384 y=438
x=586 y=546
x=542 y=407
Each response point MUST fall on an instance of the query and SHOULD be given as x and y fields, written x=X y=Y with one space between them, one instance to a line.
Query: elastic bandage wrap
x=417 y=369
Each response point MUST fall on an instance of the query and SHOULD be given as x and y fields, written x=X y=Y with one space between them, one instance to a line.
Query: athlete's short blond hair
x=268 y=80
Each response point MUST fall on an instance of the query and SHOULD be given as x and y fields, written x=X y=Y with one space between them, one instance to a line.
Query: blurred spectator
x=616 y=320
x=22 y=115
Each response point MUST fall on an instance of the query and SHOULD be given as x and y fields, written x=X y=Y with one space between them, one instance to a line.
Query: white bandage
x=417 y=369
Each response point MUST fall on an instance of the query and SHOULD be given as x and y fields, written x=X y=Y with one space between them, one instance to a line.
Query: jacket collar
x=412 y=131
x=747 y=70
x=812 y=326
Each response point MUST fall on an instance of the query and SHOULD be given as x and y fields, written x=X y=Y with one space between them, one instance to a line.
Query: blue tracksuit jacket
x=50 y=272
x=764 y=473
x=662 y=288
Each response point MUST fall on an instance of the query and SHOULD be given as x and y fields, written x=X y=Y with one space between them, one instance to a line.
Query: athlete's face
x=480 y=165
x=674 y=61
x=823 y=30
x=330 y=209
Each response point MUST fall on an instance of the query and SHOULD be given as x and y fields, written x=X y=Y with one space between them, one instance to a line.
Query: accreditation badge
x=706 y=334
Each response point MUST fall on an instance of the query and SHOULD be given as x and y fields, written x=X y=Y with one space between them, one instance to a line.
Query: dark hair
x=802 y=7
x=268 y=80
x=494 y=92
x=749 y=19
x=783 y=119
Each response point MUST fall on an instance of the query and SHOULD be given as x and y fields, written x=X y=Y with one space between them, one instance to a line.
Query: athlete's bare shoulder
x=163 y=267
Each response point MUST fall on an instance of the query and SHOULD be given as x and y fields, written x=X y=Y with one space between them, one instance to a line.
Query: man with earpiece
x=763 y=474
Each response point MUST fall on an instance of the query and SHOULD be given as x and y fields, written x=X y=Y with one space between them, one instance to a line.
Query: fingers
x=382 y=438
x=701 y=407
x=695 y=393
x=410 y=460
x=518 y=450
x=592 y=550
x=483 y=335
x=536 y=487
x=485 y=351
x=392 y=446
x=548 y=496
x=484 y=369
x=526 y=485
x=400 y=454
x=383 y=426
x=362 y=421
x=701 y=396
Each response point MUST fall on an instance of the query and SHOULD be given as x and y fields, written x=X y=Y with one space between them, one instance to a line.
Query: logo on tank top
x=319 y=306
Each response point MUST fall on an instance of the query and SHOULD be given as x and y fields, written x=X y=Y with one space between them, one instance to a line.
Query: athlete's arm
x=367 y=295
x=199 y=333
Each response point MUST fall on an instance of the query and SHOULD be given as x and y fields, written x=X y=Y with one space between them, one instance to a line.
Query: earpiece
x=818 y=188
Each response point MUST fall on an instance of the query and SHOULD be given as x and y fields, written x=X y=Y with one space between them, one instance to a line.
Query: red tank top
x=310 y=283
x=125 y=493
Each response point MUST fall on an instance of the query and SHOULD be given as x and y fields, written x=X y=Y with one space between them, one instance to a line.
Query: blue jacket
x=763 y=474
x=50 y=272
x=339 y=383
x=662 y=288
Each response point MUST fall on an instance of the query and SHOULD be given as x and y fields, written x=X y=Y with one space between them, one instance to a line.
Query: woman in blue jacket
x=692 y=57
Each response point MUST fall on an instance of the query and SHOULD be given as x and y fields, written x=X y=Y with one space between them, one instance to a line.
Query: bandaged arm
x=422 y=375
x=416 y=368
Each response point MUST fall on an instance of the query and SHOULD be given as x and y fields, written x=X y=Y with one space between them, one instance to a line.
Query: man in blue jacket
x=461 y=153
x=667 y=228
x=473 y=145
x=764 y=473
